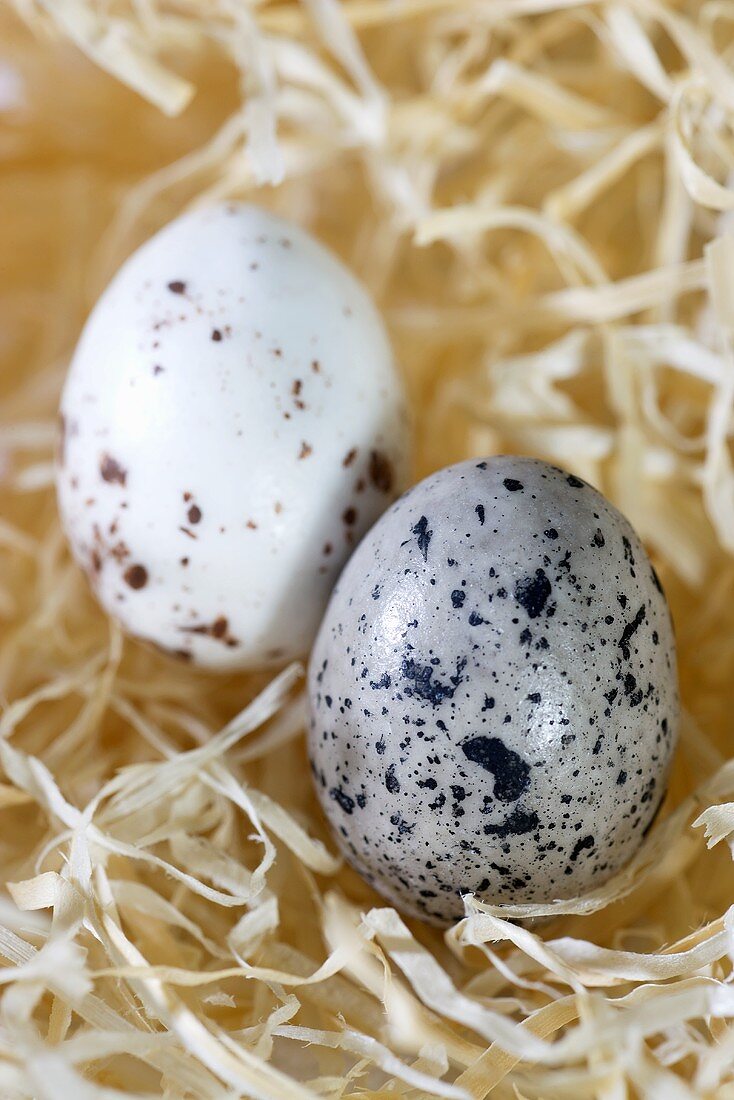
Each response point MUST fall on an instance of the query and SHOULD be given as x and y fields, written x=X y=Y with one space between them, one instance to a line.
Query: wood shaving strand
x=539 y=195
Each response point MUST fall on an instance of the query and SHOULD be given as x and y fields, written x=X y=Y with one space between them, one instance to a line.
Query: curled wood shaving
x=539 y=195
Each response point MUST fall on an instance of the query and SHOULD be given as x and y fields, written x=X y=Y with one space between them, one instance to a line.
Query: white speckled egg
x=233 y=423
x=493 y=691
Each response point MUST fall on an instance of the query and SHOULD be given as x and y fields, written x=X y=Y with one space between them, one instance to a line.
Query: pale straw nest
x=537 y=193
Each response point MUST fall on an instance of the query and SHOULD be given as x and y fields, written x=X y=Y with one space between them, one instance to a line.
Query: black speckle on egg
x=532 y=593
x=517 y=823
x=391 y=781
x=496 y=676
x=344 y=802
x=423 y=536
x=629 y=631
x=511 y=773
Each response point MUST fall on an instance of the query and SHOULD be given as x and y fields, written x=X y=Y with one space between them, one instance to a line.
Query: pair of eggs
x=493 y=686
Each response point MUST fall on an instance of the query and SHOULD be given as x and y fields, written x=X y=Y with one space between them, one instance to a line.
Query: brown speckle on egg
x=380 y=472
x=112 y=471
x=136 y=576
x=218 y=630
x=62 y=439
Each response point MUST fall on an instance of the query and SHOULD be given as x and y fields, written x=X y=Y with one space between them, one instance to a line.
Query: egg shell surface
x=493 y=691
x=232 y=424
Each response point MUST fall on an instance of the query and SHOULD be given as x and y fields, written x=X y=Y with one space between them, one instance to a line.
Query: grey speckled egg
x=494 y=691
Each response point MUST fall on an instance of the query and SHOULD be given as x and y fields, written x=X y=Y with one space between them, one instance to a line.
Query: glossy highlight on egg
x=233 y=422
x=494 y=691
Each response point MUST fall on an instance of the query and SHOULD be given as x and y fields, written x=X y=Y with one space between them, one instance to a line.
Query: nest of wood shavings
x=537 y=193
